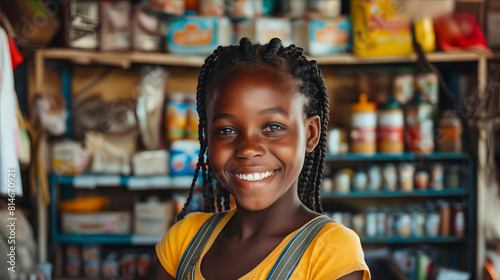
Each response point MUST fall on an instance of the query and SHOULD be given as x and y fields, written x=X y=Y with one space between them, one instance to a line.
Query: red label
x=393 y=134
x=363 y=135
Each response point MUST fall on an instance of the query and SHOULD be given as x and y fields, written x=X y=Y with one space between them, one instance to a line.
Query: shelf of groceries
x=152 y=240
x=125 y=59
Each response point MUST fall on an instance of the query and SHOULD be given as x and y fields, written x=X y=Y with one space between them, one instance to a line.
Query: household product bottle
x=391 y=128
x=458 y=220
x=449 y=133
x=364 y=123
x=176 y=116
x=419 y=126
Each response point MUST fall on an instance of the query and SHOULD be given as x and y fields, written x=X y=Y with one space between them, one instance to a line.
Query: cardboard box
x=96 y=223
x=262 y=30
x=197 y=35
x=323 y=36
x=152 y=218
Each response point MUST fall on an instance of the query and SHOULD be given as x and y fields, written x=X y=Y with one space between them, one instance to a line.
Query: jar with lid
x=449 y=133
x=419 y=116
x=391 y=128
x=364 y=123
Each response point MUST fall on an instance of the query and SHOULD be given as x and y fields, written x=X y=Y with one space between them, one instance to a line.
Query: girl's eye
x=273 y=128
x=225 y=131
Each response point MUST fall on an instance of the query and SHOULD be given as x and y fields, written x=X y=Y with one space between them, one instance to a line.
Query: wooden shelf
x=125 y=59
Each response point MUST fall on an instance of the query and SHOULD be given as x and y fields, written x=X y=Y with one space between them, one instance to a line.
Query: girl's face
x=258 y=135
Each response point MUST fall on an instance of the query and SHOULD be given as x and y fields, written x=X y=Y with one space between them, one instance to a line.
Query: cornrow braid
x=312 y=86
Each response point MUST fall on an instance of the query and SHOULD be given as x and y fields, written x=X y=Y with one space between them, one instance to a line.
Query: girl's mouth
x=256 y=176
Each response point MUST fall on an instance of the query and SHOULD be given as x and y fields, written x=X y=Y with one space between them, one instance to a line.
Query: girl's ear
x=313 y=130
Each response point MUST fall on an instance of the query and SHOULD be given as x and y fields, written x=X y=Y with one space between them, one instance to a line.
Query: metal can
x=444 y=215
x=343 y=181
x=417 y=224
x=371 y=223
x=436 y=176
x=403 y=225
x=390 y=224
x=432 y=222
x=374 y=178
x=390 y=177
x=422 y=180
x=406 y=172
x=381 y=224
x=360 y=181
x=453 y=177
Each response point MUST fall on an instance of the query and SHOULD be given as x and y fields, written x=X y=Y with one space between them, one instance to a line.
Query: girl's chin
x=252 y=205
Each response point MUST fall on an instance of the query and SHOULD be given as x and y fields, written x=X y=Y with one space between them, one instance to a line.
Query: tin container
x=403 y=225
x=374 y=178
x=417 y=223
x=436 y=176
x=452 y=177
x=360 y=182
x=371 y=223
x=422 y=180
x=390 y=177
x=432 y=222
x=406 y=174
x=343 y=181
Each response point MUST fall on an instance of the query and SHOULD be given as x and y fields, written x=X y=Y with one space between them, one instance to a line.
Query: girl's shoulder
x=339 y=238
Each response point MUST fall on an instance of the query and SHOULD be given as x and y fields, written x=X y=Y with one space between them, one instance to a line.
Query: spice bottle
x=419 y=126
x=391 y=128
x=364 y=123
x=449 y=133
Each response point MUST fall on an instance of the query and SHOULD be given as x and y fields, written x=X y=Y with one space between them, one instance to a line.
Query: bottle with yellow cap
x=364 y=124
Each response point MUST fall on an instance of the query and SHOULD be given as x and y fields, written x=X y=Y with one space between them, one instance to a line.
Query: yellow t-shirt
x=334 y=252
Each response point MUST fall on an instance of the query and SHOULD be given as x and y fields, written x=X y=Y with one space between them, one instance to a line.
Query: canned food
x=406 y=172
x=360 y=180
x=390 y=177
x=437 y=174
x=374 y=178
x=453 y=177
x=422 y=180
x=371 y=223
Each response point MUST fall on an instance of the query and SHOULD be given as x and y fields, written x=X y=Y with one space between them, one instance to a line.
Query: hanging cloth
x=9 y=129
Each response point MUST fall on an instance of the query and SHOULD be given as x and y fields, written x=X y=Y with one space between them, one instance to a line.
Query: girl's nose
x=249 y=148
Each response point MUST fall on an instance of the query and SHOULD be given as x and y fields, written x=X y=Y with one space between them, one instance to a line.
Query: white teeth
x=255 y=176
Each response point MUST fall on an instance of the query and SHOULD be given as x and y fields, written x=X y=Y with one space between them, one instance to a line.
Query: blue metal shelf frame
x=468 y=194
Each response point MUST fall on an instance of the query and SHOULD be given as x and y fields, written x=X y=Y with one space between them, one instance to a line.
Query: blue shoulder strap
x=185 y=270
x=291 y=255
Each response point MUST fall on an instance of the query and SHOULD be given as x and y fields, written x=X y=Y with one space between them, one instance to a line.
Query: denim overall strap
x=185 y=270
x=291 y=255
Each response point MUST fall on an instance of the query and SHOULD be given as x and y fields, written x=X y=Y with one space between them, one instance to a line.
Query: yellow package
x=380 y=29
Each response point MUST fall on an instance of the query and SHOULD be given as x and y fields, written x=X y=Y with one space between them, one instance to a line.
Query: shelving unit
x=127 y=59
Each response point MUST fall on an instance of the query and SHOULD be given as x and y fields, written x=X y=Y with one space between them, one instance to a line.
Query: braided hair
x=311 y=86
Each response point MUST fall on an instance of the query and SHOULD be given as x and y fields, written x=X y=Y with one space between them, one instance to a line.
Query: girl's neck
x=281 y=218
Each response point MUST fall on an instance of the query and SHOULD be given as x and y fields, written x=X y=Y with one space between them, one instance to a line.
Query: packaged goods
x=417 y=223
x=263 y=29
x=96 y=223
x=176 y=116
x=325 y=8
x=245 y=8
x=358 y=224
x=193 y=120
x=403 y=225
x=293 y=8
x=452 y=177
x=381 y=29
x=422 y=180
x=73 y=261
x=145 y=29
x=371 y=222
x=212 y=7
x=143 y=266
x=428 y=86
x=374 y=178
x=444 y=217
x=184 y=157
x=343 y=180
x=419 y=126
x=432 y=222
x=70 y=157
x=458 y=220
x=327 y=184
x=406 y=174
x=404 y=87
x=390 y=177
x=364 y=123
x=91 y=261
x=111 y=155
x=84 y=26
x=437 y=177
x=337 y=141
x=449 y=137
x=174 y=7
x=116 y=28
x=381 y=224
x=150 y=163
x=129 y=265
x=391 y=128
x=86 y=204
x=111 y=266
x=152 y=217
x=360 y=181
x=198 y=35
x=323 y=36
x=149 y=109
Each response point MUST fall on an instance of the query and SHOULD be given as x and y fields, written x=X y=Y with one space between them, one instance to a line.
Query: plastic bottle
x=419 y=126
x=391 y=128
x=364 y=124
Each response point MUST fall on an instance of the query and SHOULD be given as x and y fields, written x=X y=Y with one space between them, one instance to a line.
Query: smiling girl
x=263 y=127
